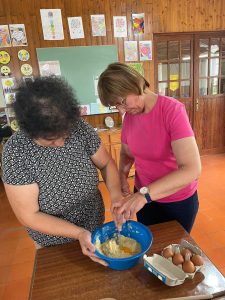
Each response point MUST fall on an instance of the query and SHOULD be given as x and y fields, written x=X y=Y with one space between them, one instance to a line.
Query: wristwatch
x=145 y=192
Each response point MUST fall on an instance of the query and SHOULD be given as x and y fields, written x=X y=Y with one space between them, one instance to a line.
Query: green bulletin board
x=80 y=65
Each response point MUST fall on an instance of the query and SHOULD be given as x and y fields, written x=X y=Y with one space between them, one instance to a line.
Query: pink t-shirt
x=149 y=138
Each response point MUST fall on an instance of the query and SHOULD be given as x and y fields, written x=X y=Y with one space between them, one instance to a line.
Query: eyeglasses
x=123 y=103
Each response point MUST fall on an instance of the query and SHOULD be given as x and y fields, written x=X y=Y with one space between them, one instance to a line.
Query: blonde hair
x=118 y=81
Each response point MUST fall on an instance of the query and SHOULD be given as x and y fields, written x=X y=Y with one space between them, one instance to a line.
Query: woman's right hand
x=84 y=237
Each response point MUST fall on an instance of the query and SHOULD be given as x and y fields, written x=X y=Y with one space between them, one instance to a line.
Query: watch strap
x=148 y=198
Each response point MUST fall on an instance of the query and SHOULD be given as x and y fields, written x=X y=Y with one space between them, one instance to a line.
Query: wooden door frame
x=194 y=36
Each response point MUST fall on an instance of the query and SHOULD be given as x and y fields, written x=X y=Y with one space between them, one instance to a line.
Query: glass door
x=191 y=68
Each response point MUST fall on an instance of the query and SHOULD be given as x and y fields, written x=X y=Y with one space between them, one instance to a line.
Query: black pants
x=184 y=212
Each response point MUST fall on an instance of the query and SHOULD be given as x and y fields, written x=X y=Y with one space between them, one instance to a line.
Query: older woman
x=49 y=167
x=158 y=138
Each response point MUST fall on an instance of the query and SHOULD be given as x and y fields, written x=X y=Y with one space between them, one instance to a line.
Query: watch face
x=144 y=190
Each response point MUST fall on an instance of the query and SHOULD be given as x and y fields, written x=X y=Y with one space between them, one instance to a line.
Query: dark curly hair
x=46 y=107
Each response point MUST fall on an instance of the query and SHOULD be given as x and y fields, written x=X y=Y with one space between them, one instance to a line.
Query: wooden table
x=63 y=272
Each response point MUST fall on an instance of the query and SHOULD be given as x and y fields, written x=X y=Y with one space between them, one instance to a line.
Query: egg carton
x=187 y=245
x=165 y=270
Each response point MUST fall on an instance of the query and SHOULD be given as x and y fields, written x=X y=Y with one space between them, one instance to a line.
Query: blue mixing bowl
x=132 y=229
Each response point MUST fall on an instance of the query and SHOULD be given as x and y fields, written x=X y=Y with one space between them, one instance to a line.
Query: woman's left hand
x=131 y=205
x=88 y=248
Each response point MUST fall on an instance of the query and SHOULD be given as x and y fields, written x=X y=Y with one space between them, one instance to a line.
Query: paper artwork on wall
x=138 y=67
x=84 y=109
x=98 y=25
x=5 y=40
x=49 y=68
x=130 y=50
x=18 y=34
x=120 y=26
x=5 y=71
x=10 y=98
x=23 y=55
x=76 y=27
x=52 y=26
x=14 y=125
x=8 y=84
x=138 y=23
x=26 y=69
x=4 y=57
x=145 y=50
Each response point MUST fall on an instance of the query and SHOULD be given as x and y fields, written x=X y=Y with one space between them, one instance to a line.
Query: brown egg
x=197 y=260
x=167 y=252
x=177 y=259
x=184 y=251
x=188 y=267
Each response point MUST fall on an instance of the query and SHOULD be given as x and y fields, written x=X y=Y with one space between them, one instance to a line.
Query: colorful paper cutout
x=14 y=125
x=23 y=55
x=4 y=57
x=5 y=71
x=26 y=69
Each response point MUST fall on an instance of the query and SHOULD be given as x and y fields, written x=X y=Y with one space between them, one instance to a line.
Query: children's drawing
x=4 y=57
x=145 y=50
x=52 y=27
x=26 y=69
x=130 y=49
x=120 y=26
x=98 y=25
x=23 y=55
x=5 y=40
x=138 y=23
x=18 y=34
x=76 y=27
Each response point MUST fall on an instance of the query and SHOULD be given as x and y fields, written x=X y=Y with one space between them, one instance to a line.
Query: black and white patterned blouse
x=66 y=177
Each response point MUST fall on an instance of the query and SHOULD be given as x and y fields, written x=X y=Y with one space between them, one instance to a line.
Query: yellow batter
x=118 y=247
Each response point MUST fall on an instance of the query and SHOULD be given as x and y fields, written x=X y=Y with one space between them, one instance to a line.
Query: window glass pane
x=186 y=50
x=162 y=72
x=222 y=86
x=214 y=67
x=223 y=47
x=163 y=88
x=203 y=48
x=161 y=51
x=174 y=90
x=203 y=67
x=215 y=47
x=185 y=70
x=174 y=70
x=203 y=87
x=223 y=67
x=185 y=89
x=173 y=50
x=213 y=86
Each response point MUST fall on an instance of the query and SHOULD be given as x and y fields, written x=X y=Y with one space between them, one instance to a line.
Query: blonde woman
x=158 y=138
